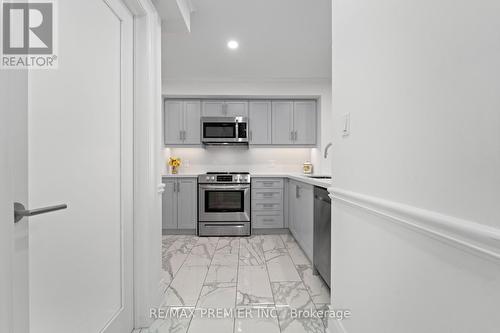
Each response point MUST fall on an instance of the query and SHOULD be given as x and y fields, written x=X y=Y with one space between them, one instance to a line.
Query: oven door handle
x=228 y=187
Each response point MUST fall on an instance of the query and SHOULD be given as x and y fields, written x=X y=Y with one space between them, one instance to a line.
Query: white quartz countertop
x=298 y=177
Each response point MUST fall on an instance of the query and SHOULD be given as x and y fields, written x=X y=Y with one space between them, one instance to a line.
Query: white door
x=304 y=122
x=14 y=250
x=173 y=119
x=81 y=153
x=282 y=122
x=260 y=122
x=192 y=126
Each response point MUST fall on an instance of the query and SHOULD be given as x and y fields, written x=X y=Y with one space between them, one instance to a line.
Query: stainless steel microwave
x=224 y=130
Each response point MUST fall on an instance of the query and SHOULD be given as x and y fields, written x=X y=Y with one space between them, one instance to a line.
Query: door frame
x=6 y=220
x=148 y=186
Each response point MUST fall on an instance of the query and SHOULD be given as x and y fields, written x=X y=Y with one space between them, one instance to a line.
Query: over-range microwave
x=224 y=130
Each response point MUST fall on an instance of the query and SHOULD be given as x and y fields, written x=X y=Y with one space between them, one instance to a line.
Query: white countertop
x=325 y=183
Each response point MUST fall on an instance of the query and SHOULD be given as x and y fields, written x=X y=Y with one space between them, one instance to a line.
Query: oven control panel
x=231 y=178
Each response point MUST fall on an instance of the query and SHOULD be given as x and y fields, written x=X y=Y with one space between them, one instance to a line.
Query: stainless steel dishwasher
x=322 y=234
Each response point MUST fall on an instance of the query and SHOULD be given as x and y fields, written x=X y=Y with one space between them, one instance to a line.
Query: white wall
x=304 y=87
x=421 y=81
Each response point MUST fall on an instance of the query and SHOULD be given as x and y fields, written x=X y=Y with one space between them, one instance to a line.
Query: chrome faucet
x=326 y=149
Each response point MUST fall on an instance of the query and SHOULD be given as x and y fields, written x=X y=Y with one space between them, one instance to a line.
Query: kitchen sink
x=320 y=177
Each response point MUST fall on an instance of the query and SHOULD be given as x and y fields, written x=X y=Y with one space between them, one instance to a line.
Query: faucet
x=326 y=149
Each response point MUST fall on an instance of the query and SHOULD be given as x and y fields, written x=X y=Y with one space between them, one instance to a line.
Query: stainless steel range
x=224 y=204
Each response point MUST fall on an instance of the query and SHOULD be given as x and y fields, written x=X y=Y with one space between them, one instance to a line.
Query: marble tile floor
x=262 y=279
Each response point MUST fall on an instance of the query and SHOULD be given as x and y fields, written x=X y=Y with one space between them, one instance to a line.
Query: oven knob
x=212 y=178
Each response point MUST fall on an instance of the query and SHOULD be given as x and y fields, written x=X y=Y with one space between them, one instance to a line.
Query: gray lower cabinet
x=179 y=203
x=267 y=203
x=301 y=214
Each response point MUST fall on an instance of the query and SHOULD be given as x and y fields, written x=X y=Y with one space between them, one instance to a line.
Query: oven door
x=219 y=131
x=224 y=203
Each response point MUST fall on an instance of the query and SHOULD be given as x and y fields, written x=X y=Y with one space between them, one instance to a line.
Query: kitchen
x=258 y=188
x=247 y=164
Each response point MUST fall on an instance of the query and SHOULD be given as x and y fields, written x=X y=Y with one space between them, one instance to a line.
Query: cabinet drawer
x=267 y=194
x=267 y=221
x=267 y=183
x=266 y=205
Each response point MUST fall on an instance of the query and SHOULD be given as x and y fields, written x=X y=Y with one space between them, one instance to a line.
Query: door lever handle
x=20 y=211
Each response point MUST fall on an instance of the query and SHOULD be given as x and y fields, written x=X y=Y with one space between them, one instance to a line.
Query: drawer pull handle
x=267 y=220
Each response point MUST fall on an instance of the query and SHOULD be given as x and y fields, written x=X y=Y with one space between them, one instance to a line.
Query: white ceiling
x=279 y=39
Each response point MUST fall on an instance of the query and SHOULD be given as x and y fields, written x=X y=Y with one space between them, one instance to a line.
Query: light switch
x=346 y=119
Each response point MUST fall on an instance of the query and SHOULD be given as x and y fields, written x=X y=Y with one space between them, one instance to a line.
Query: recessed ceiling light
x=232 y=44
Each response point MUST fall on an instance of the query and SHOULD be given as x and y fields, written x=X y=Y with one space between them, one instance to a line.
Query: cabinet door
x=236 y=109
x=192 y=113
x=292 y=208
x=186 y=206
x=260 y=119
x=282 y=122
x=305 y=215
x=169 y=205
x=173 y=121
x=212 y=108
x=304 y=122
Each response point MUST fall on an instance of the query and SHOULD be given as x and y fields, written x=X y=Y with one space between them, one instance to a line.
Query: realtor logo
x=28 y=34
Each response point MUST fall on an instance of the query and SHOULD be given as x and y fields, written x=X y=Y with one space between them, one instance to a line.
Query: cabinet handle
x=268 y=205
x=178 y=186
x=268 y=183
x=291 y=136
x=180 y=135
x=183 y=135
x=268 y=194
x=267 y=220
x=297 y=191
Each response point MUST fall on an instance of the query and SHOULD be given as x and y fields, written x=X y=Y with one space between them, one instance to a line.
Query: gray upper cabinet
x=271 y=122
x=173 y=121
x=213 y=108
x=282 y=122
x=260 y=119
x=182 y=122
x=304 y=122
x=294 y=122
x=229 y=108
x=192 y=125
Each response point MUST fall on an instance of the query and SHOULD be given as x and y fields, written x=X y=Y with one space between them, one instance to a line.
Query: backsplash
x=253 y=160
